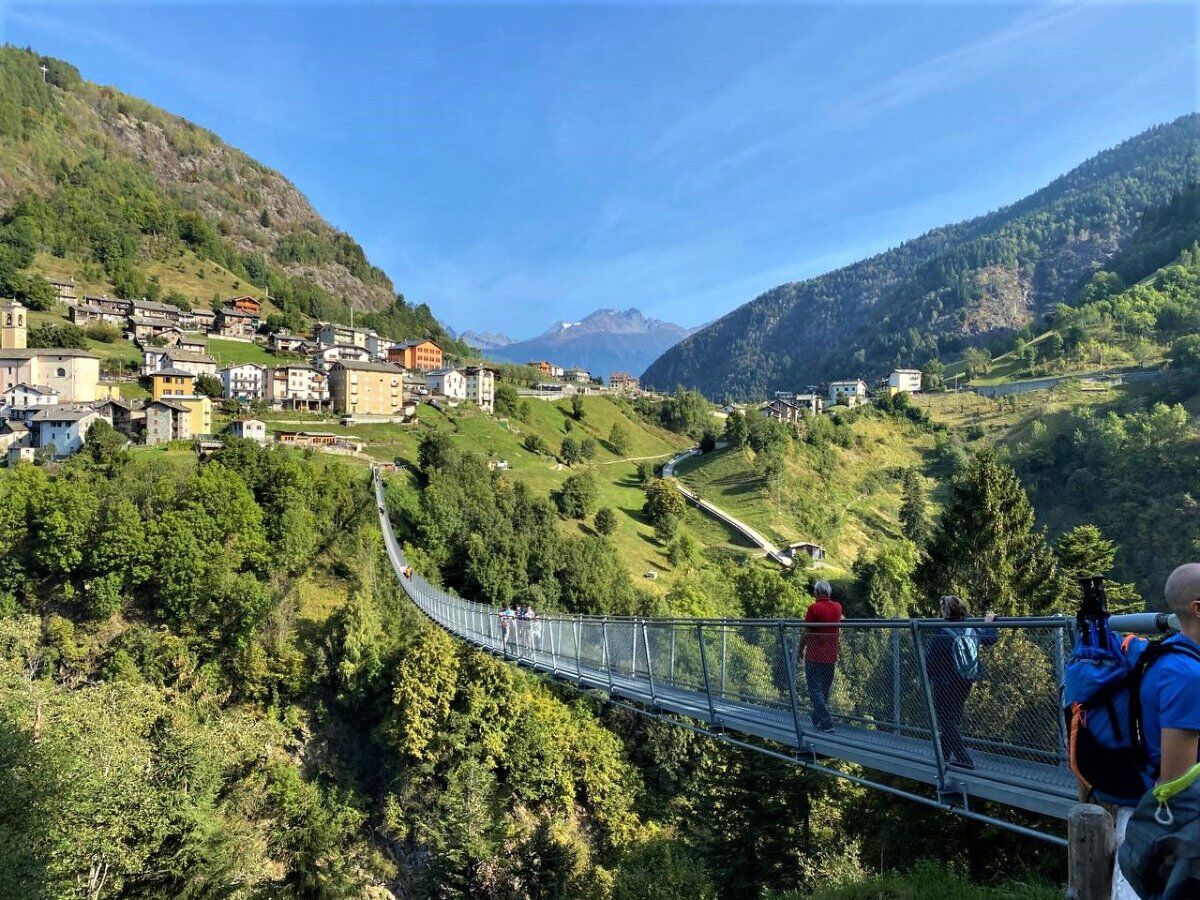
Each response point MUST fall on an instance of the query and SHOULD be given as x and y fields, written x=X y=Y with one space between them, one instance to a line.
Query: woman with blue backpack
x=953 y=665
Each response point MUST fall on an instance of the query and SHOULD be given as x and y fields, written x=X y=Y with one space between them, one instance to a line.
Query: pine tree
x=1085 y=551
x=986 y=549
x=914 y=511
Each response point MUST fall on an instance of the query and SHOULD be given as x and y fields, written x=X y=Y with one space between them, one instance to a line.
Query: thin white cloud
x=969 y=61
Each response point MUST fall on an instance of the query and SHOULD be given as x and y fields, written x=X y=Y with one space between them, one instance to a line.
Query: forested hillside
x=949 y=288
x=127 y=199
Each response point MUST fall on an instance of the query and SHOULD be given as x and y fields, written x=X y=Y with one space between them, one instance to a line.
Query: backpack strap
x=1150 y=655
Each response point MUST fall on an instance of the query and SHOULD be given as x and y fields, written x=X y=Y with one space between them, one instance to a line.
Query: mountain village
x=51 y=397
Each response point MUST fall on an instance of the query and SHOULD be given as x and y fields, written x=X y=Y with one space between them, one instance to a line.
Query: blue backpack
x=1102 y=703
x=964 y=653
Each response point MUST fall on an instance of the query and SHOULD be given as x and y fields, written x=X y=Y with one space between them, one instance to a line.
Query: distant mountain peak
x=603 y=341
x=611 y=321
x=485 y=340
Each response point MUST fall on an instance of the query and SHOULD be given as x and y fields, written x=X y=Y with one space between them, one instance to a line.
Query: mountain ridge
x=133 y=200
x=945 y=289
x=485 y=340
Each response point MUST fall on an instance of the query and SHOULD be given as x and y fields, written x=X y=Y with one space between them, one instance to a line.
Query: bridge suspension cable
x=739 y=680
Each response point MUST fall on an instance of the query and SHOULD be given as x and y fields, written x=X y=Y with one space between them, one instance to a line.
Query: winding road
x=719 y=514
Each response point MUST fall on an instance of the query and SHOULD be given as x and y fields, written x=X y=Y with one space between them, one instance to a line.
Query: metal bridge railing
x=896 y=701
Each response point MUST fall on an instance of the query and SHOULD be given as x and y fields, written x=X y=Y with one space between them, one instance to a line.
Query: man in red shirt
x=819 y=650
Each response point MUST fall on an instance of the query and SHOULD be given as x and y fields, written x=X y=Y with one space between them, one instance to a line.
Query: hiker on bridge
x=507 y=626
x=953 y=665
x=528 y=622
x=819 y=650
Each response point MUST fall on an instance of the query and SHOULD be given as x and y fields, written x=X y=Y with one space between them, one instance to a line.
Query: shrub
x=577 y=496
x=105 y=332
x=606 y=520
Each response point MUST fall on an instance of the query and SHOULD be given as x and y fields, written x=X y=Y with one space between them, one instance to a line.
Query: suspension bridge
x=738 y=681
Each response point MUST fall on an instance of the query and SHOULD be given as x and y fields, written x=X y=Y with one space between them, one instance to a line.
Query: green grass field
x=846 y=509
x=232 y=353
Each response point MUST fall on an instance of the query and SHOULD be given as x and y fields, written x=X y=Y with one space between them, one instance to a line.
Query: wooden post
x=1091 y=845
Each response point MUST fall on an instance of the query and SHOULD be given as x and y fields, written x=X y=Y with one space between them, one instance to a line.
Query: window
x=61 y=372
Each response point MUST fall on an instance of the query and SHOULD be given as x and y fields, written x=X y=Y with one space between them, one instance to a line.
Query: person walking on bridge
x=507 y=616
x=953 y=665
x=819 y=650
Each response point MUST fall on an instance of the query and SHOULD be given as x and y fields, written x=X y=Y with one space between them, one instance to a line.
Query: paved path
x=716 y=512
x=1040 y=384
x=613 y=462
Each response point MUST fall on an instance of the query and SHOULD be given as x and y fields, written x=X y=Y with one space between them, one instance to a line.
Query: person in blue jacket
x=953 y=664
x=1160 y=845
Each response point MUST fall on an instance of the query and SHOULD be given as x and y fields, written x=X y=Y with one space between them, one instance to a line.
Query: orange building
x=423 y=356
x=245 y=305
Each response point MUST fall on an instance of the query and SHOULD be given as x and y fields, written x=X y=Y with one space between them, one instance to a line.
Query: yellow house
x=366 y=388
x=168 y=383
x=201 y=414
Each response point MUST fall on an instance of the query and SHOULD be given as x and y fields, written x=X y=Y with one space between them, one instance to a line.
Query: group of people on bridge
x=1161 y=716
x=520 y=626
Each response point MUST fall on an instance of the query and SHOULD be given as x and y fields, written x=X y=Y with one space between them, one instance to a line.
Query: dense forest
x=953 y=287
x=109 y=185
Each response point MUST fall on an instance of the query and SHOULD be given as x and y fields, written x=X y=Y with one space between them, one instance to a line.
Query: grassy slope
x=845 y=513
x=195 y=278
x=1011 y=367
x=118 y=349
x=616 y=477
x=227 y=352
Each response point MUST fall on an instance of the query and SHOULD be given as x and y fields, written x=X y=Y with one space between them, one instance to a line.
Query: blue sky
x=516 y=164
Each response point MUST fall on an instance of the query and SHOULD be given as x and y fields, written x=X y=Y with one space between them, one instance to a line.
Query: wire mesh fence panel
x=675 y=655
x=623 y=647
x=865 y=677
x=995 y=691
x=592 y=654
x=753 y=668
